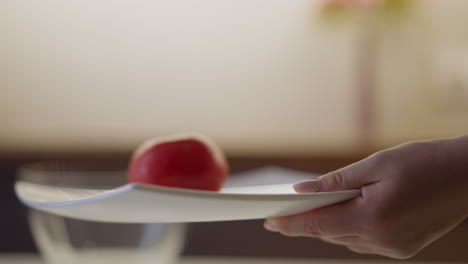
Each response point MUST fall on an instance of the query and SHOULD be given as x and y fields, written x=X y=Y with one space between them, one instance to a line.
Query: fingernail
x=270 y=226
x=308 y=186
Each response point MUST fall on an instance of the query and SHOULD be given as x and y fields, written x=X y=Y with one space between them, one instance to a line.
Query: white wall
x=258 y=75
x=420 y=61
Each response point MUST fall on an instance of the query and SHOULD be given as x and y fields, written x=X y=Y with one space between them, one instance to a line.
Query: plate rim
x=181 y=192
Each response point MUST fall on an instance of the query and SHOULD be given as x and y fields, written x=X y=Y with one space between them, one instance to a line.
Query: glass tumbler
x=68 y=241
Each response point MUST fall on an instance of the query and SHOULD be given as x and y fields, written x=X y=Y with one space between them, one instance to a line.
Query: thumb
x=351 y=177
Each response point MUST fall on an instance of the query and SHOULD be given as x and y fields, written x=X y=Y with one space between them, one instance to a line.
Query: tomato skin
x=183 y=163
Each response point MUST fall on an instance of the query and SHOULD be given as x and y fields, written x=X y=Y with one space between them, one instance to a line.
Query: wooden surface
x=34 y=259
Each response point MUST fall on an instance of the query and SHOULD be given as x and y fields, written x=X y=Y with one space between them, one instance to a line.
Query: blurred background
x=308 y=85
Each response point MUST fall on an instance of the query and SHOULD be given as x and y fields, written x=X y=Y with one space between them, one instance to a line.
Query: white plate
x=141 y=203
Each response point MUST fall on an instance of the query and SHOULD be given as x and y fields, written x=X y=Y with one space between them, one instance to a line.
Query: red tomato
x=192 y=162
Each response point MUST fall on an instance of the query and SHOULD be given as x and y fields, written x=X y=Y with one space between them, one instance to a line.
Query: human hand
x=411 y=195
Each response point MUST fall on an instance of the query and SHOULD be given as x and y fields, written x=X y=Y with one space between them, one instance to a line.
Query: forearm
x=455 y=153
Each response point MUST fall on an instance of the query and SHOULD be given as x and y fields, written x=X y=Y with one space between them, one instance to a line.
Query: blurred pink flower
x=350 y=2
